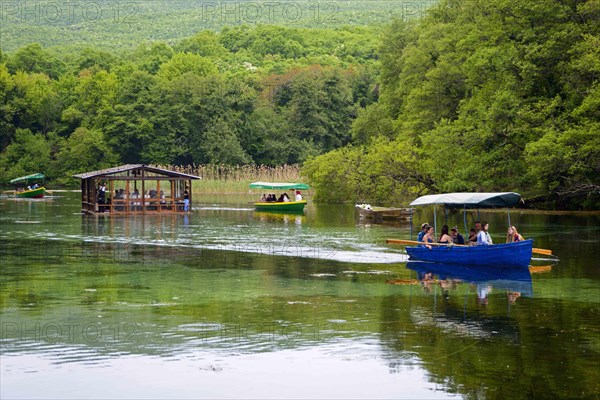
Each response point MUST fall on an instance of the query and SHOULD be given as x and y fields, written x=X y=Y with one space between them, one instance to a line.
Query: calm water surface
x=231 y=303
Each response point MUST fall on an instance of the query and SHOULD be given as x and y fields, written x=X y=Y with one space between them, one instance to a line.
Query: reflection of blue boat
x=517 y=254
x=511 y=279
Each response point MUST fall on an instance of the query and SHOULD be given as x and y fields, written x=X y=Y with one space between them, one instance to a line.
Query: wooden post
x=143 y=193
x=128 y=197
x=111 y=186
x=83 y=195
x=173 y=196
x=159 y=205
x=95 y=195
x=189 y=182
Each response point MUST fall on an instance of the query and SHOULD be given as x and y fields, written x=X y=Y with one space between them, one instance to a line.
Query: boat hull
x=32 y=194
x=384 y=213
x=516 y=254
x=293 y=206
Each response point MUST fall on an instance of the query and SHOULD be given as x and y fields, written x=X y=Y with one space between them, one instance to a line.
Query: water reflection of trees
x=179 y=299
x=477 y=350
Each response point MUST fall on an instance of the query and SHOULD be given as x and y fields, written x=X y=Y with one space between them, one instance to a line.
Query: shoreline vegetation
x=235 y=179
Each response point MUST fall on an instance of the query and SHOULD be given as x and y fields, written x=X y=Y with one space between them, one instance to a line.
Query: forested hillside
x=490 y=95
x=266 y=95
x=72 y=25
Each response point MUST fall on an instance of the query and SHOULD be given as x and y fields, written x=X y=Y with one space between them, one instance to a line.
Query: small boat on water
x=378 y=214
x=294 y=205
x=30 y=186
x=516 y=254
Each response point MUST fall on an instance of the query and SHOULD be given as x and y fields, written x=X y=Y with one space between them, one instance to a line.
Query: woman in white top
x=483 y=237
x=298 y=196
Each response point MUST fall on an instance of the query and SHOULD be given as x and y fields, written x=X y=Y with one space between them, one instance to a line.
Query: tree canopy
x=490 y=95
x=247 y=95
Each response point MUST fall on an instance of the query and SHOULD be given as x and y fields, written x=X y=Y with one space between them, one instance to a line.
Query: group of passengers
x=152 y=194
x=284 y=198
x=104 y=198
x=479 y=235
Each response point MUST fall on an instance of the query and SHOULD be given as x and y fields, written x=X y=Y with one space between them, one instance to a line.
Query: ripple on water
x=324 y=248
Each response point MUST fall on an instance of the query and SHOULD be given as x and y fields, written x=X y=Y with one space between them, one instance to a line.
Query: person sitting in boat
x=472 y=237
x=102 y=194
x=298 y=196
x=513 y=236
x=445 y=236
x=286 y=198
x=429 y=237
x=263 y=199
x=136 y=205
x=424 y=228
x=457 y=238
x=483 y=237
x=280 y=199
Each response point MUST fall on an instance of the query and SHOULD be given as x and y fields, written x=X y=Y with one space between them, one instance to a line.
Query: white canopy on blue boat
x=470 y=200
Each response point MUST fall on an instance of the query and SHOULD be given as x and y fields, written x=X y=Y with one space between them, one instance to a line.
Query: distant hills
x=123 y=24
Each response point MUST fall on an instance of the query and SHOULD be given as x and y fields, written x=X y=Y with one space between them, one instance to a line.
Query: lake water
x=231 y=303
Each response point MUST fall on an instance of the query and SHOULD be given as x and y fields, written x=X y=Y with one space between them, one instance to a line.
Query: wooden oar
x=540 y=269
x=542 y=251
x=414 y=242
x=411 y=242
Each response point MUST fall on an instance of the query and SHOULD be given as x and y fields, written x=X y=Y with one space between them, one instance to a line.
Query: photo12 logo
x=69 y=332
x=69 y=12
x=266 y=12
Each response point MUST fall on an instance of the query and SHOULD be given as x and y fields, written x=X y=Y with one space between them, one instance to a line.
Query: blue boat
x=517 y=254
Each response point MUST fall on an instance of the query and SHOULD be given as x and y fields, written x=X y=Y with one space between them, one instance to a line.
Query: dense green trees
x=473 y=96
x=267 y=95
x=481 y=96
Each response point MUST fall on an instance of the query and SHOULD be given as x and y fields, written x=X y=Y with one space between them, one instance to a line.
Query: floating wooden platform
x=383 y=213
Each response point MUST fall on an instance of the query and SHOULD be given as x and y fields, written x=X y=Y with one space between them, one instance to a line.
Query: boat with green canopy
x=30 y=186
x=294 y=204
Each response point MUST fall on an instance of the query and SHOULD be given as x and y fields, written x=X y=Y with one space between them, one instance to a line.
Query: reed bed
x=234 y=179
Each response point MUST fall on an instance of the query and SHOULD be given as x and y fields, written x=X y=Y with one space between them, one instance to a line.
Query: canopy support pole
x=434 y=219
x=465 y=220
x=508 y=210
